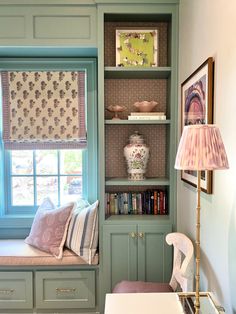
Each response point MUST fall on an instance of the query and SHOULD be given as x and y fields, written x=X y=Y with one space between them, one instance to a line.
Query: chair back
x=183 y=262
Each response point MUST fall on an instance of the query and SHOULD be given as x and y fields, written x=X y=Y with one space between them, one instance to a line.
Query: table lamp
x=200 y=148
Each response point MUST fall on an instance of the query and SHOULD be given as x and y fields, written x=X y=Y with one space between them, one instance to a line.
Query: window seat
x=16 y=252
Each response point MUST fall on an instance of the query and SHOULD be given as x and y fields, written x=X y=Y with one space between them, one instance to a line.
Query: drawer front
x=16 y=290
x=65 y=289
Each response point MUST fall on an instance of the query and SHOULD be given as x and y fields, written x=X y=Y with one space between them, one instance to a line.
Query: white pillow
x=82 y=236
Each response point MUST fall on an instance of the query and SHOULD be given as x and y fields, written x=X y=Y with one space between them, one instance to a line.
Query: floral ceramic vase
x=136 y=154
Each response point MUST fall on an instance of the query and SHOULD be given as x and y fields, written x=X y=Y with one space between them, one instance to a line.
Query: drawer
x=16 y=290
x=65 y=289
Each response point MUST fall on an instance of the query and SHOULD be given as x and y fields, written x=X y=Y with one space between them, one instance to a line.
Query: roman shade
x=44 y=109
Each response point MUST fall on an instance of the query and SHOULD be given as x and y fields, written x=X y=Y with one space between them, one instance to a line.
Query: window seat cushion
x=16 y=252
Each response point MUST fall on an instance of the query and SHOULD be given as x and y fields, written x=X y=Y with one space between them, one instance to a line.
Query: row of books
x=147 y=116
x=150 y=202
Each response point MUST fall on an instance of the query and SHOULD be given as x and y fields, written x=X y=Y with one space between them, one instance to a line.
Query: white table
x=159 y=303
x=143 y=303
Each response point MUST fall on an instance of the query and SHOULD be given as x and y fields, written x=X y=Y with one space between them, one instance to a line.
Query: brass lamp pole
x=197 y=300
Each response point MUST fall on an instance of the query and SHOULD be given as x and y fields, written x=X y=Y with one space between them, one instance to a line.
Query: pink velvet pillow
x=49 y=228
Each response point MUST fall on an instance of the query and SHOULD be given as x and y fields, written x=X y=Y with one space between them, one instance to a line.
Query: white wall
x=208 y=28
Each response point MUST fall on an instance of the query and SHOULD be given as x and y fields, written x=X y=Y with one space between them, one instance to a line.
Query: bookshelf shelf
x=137 y=219
x=147 y=182
x=120 y=122
x=137 y=73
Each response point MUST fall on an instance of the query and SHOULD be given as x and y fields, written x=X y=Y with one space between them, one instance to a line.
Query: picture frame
x=197 y=108
x=137 y=47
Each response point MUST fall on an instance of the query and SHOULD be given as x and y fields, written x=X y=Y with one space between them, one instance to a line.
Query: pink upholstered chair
x=182 y=273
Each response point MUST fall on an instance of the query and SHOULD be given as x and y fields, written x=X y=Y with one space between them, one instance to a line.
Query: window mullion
x=34 y=178
x=59 y=177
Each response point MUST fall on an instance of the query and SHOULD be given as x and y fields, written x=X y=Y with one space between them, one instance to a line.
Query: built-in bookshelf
x=124 y=86
x=136 y=216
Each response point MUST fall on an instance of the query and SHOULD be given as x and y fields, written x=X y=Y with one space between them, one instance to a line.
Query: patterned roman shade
x=43 y=110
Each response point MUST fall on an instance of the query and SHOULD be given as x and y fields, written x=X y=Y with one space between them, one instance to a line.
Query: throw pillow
x=82 y=236
x=49 y=228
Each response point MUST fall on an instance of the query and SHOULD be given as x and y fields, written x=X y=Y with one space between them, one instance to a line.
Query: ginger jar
x=136 y=154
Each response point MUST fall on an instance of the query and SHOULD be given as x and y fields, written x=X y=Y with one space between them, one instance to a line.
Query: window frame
x=89 y=155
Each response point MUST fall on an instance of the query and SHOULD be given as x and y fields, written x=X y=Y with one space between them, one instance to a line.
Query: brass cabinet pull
x=141 y=235
x=133 y=235
x=6 y=291
x=65 y=290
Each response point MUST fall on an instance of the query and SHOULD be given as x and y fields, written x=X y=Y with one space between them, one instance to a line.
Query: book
x=112 y=203
x=139 y=203
x=126 y=203
x=120 y=203
x=107 y=202
x=155 y=208
x=134 y=203
x=147 y=113
x=154 y=117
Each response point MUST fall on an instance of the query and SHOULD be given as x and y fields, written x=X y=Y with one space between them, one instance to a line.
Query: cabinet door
x=154 y=254
x=120 y=254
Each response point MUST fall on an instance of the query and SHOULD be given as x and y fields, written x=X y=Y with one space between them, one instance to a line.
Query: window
x=29 y=175
x=33 y=175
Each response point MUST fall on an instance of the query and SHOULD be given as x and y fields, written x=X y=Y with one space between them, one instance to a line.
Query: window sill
x=14 y=221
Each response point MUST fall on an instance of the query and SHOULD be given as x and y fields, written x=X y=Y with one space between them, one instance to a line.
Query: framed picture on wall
x=197 y=108
x=136 y=47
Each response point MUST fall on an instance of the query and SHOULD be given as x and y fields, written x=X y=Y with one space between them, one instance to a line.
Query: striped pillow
x=82 y=236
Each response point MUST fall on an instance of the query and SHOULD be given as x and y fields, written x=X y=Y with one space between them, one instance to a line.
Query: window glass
x=35 y=175
x=46 y=162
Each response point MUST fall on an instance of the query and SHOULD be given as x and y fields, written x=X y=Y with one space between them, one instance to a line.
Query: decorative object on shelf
x=200 y=148
x=136 y=154
x=197 y=98
x=145 y=106
x=116 y=109
x=136 y=47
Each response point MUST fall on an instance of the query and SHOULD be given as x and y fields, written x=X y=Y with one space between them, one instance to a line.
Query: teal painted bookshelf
x=139 y=238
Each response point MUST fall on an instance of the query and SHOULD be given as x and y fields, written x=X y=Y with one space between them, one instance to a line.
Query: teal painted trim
x=2 y=194
x=47 y=2
x=36 y=64
x=127 y=219
x=129 y=73
x=120 y=122
x=39 y=52
x=174 y=108
x=147 y=182
x=82 y=2
x=147 y=2
x=92 y=132
x=139 y=9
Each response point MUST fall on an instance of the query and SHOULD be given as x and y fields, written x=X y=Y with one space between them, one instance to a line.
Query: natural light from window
x=36 y=174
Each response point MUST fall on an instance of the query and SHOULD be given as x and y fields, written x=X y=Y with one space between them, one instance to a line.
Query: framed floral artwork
x=137 y=47
x=197 y=108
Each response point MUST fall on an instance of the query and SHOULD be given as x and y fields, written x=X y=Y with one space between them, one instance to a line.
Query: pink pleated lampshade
x=201 y=148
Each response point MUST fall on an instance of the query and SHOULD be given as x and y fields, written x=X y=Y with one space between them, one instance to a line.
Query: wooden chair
x=182 y=273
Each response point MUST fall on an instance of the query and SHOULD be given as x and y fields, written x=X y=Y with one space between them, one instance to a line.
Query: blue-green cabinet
x=136 y=252
x=48 y=26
